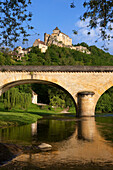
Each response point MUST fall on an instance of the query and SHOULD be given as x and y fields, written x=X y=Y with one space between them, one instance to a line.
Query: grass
x=72 y=110
x=17 y=117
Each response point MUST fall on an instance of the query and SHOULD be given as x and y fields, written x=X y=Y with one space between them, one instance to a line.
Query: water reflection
x=73 y=142
x=45 y=130
x=105 y=127
x=34 y=128
x=54 y=130
x=86 y=129
x=18 y=134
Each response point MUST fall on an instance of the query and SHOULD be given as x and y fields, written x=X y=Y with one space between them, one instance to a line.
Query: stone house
x=81 y=49
x=41 y=45
x=34 y=97
x=19 y=52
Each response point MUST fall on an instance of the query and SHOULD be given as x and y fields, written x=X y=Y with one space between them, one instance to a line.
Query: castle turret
x=56 y=31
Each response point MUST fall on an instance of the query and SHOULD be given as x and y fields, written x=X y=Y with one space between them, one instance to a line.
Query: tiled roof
x=40 y=42
x=65 y=34
x=56 y=28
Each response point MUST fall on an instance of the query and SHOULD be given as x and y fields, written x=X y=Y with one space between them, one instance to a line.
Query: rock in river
x=44 y=147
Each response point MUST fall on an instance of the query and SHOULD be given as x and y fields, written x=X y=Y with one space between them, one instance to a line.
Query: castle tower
x=46 y=38
x=56 y=31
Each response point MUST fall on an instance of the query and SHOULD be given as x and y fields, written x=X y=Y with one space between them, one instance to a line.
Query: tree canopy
x=13 y=14
x=100 y=14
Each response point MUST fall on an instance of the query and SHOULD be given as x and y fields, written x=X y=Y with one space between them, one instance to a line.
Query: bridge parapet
x=57 y=68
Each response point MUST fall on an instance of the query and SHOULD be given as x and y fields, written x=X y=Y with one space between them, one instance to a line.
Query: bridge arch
x=7 y=86
x=85 y=84
x=103 y=90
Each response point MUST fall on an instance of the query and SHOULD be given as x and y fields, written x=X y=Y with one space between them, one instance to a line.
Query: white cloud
x=90 y=39
x=83 y=30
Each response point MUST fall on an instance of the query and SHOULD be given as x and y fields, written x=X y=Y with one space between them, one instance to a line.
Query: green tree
x=104 y=104
x=100 y=14
x=47 y=58
x=13 y=98
x=35 y=57
x=13 y=14
x=2 y=59
x=57 y=101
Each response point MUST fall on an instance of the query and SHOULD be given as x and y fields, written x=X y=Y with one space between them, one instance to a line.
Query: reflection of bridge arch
x=85 y=84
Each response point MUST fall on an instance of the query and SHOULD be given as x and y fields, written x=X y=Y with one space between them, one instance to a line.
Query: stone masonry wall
x=74 y=81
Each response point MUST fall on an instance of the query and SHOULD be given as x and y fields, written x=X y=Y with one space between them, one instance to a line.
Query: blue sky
x=47 y=14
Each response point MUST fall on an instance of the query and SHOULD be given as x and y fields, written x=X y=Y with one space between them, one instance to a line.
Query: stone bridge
x=85 y=84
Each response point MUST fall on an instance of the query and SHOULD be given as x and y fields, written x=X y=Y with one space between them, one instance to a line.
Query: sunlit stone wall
x=72 y=79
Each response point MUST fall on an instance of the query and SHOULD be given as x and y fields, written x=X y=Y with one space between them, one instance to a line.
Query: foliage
x=35 y=57
x=57 y=102
x=105 y=103
x=5 y=56
x=100 y=14
x=13 y=97
x=65 y=56
x=25 y=88
x=52 y=95
x=60 y=56
x=13 y=14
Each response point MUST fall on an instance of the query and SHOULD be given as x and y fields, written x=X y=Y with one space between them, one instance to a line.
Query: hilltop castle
x=57 y=38
x=60 y=39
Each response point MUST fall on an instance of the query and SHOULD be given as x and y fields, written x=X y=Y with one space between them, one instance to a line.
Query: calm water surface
x=85 y=143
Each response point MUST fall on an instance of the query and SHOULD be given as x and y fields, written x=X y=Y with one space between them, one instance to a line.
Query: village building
x=19 y=52
x=81 y=49
x=34 y=97
x=41 y=45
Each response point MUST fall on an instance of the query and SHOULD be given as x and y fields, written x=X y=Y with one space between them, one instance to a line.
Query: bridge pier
x=85 y=105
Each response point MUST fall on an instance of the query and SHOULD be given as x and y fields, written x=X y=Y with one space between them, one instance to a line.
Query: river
x=77 y=143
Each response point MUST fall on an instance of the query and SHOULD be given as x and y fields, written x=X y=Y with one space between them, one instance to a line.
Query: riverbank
x=8 y=152
x=18 y=117
x=19 y=157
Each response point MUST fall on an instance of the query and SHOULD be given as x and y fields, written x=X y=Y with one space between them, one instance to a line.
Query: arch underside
x=29 y=81
x=105 y=88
